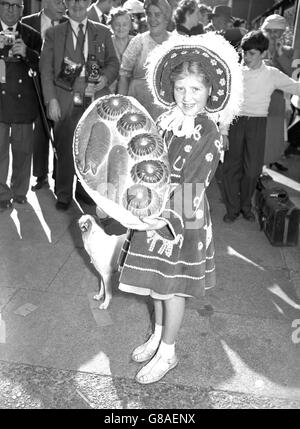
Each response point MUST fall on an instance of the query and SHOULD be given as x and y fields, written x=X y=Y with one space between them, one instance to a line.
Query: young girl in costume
x=172 y=257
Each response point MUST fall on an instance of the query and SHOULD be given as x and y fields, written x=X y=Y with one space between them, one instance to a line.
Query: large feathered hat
x=219 y=61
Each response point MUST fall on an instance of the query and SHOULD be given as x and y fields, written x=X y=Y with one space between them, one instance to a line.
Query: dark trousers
x=20 y=136
x=40 y=156
x=64 y=166
x=243 y=162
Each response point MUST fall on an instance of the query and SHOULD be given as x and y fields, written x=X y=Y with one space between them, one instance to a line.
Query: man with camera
x=78 y=63
x=20 y=46
x=52 y=13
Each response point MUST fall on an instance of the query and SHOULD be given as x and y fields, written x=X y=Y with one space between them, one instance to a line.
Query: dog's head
x=86 y=222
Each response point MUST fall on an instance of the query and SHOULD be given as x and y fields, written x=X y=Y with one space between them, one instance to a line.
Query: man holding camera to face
x=20 y=46
x=78 y=63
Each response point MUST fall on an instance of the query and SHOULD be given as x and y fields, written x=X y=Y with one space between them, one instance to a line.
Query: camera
x=68 y=74
x=70 y=67
x=92 y=70
x=7 y=38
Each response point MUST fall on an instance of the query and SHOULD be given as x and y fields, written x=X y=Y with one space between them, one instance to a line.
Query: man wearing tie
x=70 y=51
x=98 y=11
x=52 y=13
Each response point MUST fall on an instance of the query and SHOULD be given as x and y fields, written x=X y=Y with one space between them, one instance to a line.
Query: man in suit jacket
x=19 y=52
x=64 y=106
x=98 y=11
x=51 y=14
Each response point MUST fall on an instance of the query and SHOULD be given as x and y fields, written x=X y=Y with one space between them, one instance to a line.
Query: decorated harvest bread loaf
x=121 y=159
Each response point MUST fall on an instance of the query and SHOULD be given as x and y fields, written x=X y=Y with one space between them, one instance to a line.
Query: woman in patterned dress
x=121 y=24
x=172 y=257
x=132 y=79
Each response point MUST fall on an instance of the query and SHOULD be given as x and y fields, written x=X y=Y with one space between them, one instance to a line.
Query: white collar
x=75 y=24
x=176 y=121
x=247 y=69
x=5 y=26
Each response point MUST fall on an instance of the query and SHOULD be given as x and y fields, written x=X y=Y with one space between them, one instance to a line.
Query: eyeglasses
x=13 y=6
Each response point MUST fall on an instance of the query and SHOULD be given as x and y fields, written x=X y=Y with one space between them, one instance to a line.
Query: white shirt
x=259 y=85
x=45 y=24
x=75 y=28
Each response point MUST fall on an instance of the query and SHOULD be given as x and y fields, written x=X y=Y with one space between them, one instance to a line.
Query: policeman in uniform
x=20 y=46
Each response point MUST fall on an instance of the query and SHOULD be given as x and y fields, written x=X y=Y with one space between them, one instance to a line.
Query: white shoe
x=156 y=369
x=146 y=351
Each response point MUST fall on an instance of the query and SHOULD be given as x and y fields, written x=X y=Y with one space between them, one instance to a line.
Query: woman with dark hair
x=132 y=79
x=186 y=17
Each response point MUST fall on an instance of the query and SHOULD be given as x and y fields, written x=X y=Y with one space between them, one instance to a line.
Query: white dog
x=103 y=250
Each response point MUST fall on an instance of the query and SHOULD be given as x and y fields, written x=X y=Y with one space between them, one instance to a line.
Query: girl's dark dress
x=179 y=258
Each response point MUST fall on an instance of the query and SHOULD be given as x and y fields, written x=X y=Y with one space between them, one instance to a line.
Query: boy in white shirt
x=245 y=157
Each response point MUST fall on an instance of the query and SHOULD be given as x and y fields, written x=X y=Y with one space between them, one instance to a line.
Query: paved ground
x=239 y=348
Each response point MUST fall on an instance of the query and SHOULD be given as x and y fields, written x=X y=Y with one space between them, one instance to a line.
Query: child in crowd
x=172 y=257
x=245 y=157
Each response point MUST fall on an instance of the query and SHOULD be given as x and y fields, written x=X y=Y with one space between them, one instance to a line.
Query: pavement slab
x=239 y=295
x=260 y=352
x=246 y=242
x=31 y=267
x=292 y=260
x=39 y=221
x=32 y=225
x=77 y=277
x=67 y=335
x=5 y=295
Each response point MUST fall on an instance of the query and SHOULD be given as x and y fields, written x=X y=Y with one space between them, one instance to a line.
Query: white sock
x=157 y=332
x=167 y=350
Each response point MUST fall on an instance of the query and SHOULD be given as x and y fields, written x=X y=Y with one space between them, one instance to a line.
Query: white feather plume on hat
x=221 y=55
